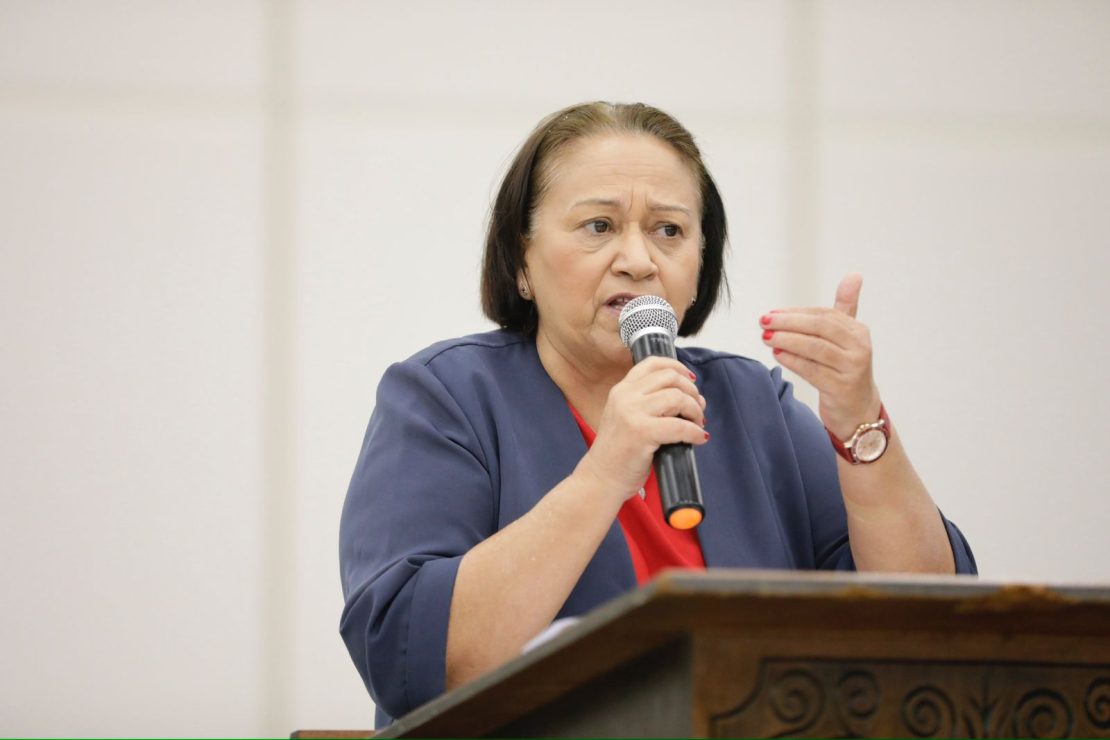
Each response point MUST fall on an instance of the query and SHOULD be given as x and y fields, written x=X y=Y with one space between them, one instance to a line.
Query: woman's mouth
x=617 y=302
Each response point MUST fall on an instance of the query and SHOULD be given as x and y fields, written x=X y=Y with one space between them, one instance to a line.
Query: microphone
x=648 y=327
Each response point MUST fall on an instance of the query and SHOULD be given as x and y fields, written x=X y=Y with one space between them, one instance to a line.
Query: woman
x=505 y=479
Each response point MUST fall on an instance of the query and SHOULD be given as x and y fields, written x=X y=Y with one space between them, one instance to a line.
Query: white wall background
x=221 y=220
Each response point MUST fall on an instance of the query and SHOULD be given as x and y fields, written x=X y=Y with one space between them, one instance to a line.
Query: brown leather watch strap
x=841 y=447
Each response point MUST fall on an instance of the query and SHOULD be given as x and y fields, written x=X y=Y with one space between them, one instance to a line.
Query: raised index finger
x=847 y=294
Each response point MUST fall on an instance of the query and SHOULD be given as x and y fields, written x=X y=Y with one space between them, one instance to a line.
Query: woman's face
x=621 y=218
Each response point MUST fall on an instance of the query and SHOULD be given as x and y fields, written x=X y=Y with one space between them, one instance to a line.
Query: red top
x=652 y=543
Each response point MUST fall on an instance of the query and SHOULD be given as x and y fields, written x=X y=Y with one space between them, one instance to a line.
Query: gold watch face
x=870 y=446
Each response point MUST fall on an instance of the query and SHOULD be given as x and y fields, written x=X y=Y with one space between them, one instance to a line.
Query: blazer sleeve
x=420 y=498
x=817 y=466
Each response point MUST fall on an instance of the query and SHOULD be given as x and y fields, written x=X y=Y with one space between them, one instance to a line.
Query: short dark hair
x=524 y=185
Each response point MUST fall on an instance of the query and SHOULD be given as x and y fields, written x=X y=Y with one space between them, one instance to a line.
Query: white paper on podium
x=552 y=629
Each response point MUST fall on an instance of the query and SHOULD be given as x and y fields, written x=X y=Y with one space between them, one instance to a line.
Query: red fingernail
x=768 y=334
x=692 y=376
x=707 y=436
x=777 y=351
x=765 y=319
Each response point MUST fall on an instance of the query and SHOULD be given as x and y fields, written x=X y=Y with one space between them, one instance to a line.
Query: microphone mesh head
x=647 y=311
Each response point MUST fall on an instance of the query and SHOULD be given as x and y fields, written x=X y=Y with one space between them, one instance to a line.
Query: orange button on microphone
x=684 y=518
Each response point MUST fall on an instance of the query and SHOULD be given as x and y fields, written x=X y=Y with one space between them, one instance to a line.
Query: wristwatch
x=868 y=443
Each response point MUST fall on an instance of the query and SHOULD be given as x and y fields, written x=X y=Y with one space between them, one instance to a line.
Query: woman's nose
x=633 y=256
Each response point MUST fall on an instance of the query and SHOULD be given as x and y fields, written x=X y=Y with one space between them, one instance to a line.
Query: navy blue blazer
x=469 y=434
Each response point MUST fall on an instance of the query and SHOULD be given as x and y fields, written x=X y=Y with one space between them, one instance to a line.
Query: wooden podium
x=733 y=653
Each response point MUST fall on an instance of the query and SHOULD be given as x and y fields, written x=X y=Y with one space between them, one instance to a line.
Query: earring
x=693 y=300
x=524 y=292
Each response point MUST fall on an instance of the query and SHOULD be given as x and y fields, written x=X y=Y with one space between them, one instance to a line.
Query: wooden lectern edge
x=979 y=595
x=972 y=594
x=786 y=582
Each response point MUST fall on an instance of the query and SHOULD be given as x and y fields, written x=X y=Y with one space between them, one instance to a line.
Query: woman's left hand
x=829 y=349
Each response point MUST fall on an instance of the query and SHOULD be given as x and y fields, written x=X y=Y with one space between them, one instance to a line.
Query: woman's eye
x=670 y=230
x=598 y=226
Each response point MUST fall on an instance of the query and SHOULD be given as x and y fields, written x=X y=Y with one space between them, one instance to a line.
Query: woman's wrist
x=597 y=487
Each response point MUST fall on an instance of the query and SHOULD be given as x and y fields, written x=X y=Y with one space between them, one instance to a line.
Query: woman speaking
x=506 y=478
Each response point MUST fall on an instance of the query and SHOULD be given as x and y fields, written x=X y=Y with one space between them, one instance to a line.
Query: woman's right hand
x=656 y=403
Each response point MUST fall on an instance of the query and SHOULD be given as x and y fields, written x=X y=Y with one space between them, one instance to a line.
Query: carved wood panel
x=824 y=697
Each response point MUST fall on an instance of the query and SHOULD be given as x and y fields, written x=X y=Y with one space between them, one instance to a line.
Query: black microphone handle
x=676 y=471
x=677 y=475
